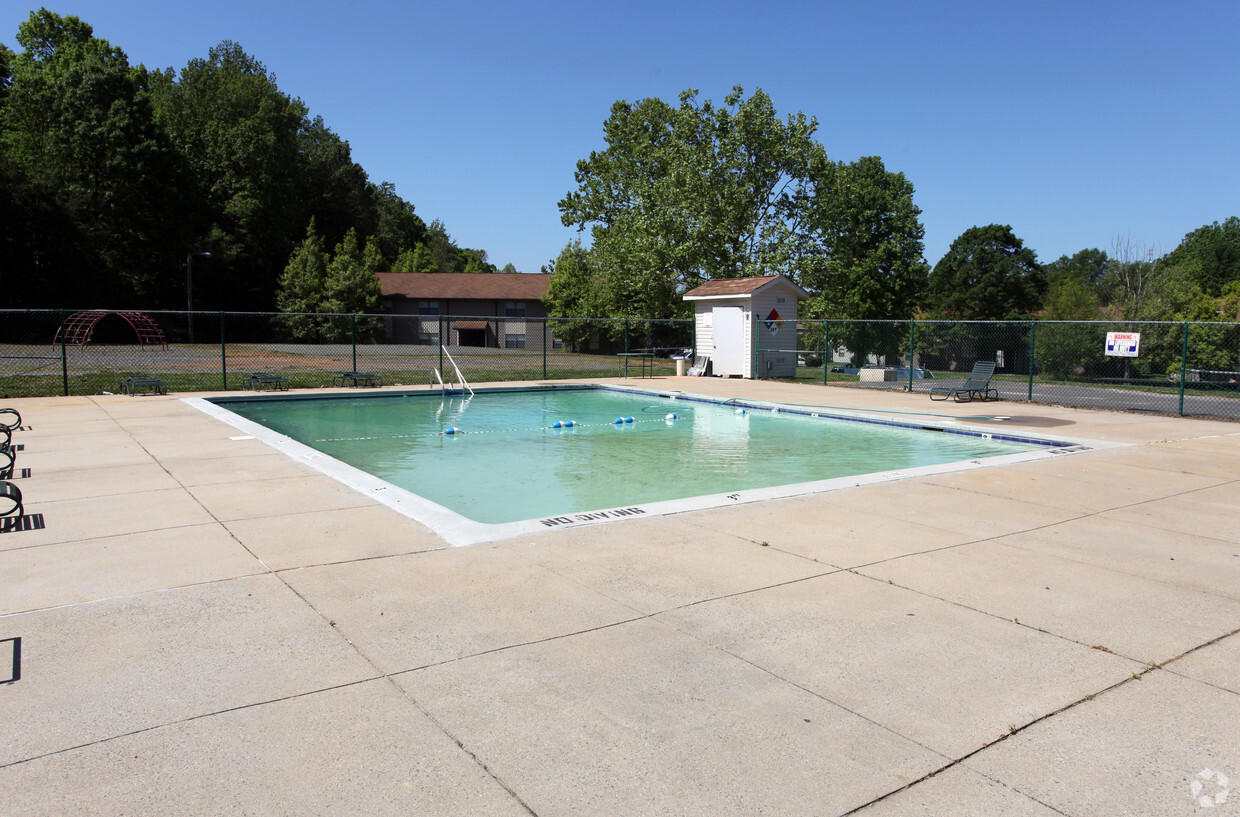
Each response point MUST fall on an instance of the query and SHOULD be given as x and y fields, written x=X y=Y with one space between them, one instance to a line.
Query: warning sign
x=1123 y=344
x=773 y=322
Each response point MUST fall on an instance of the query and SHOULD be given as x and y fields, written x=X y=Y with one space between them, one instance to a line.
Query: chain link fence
x=1159 y=367
x=1176 y=368
x=50 y=352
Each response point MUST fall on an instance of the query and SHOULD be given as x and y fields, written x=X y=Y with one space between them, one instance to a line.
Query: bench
x=264 y=380
x=152 y=385
x=354 y=379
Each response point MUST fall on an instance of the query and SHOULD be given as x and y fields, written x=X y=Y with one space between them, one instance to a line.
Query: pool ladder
x=460 y=378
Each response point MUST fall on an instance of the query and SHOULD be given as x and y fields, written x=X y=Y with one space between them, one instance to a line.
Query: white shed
x=747 y=327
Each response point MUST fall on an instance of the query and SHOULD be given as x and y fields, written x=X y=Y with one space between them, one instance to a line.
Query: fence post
x=545 y=341
x=826 y=350
x=1033 y=334
x=912 y=351
x=223 y=354
x=1183 y=367
x=353 y=325
x=440 y=336
x=64 y=364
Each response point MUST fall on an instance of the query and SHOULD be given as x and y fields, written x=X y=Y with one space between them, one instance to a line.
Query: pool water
x=505 y=456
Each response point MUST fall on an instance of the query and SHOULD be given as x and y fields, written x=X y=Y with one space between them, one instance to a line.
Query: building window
x=557 y=343
x=514 y=309
x=514 y=341
x=428 y=307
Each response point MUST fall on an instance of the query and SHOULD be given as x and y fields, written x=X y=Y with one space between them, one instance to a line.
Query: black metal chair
x=11 y=495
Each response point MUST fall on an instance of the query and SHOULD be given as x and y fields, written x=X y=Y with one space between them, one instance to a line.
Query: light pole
x=189 y=288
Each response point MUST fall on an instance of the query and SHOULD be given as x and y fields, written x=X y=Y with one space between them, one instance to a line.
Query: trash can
x=681 y=366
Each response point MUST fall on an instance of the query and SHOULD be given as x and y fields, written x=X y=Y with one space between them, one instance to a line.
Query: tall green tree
x=417 y=259
x=240 y=135
x=688 y=193
x=987 y=274
x=875 y=269
x=1087 y=267
x=302 y=286
x=351 y=286
x=1215 y=250
x=574 y=292
x=86 y=157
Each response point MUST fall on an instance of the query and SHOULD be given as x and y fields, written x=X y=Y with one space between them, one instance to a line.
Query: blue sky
x=1074 y=122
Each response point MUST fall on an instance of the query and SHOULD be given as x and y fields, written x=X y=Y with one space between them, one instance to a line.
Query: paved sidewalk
x=208 y=627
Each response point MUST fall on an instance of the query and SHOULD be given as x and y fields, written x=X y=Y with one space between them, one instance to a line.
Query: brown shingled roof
x=732 y=286
x=506 y=286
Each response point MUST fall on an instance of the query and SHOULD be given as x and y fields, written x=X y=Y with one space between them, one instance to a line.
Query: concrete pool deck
x=208 y=627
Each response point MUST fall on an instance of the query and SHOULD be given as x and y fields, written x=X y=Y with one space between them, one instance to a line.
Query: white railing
x=460 y=378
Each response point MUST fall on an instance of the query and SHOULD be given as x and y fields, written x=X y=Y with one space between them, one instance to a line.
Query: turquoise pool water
x=506 y=460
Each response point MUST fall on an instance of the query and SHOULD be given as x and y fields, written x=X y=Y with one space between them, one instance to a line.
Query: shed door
x=729 y=329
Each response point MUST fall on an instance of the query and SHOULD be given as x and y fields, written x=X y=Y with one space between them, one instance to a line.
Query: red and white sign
x=1123 y=344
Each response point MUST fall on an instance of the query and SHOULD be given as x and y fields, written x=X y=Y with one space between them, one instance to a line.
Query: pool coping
x=459 y=530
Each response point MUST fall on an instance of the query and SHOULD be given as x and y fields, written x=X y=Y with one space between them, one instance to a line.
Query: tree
x=302 y=285
x=1065 y=347
x=1087 y=267
x=1131 y=277
x=418 y=259
x=81 y=145
x=351 y=286
x=324 y=287
x=240 y=135
x=574 y=292
x=685 y=194
x=334 y=189
x=987 y=274
x=875 y=269
x=1216 y=249
x=398 y=227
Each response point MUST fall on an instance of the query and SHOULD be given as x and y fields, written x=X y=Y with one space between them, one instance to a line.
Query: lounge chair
x=130 y=385
x=978 y=385
x=10 y=500
x=698 y=369
x=13 y=422
x=7 y=461
x=265 y=380
x=355 y=379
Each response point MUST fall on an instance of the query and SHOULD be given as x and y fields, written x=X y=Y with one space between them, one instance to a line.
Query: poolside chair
x=10 y=419
x=978 y=385
x=131 y=385
x=265 y=380
x=698 y=369
x=10 y=494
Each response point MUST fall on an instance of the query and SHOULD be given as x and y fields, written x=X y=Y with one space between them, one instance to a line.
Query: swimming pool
x=483 y=467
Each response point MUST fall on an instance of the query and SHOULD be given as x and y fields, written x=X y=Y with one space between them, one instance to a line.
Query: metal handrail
x=460 y=377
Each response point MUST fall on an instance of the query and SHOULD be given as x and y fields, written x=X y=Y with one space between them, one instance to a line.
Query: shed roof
x=740 y=287
x=488 y=286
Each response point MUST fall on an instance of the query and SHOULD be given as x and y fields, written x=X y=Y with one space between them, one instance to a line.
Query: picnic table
x=645 y=362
